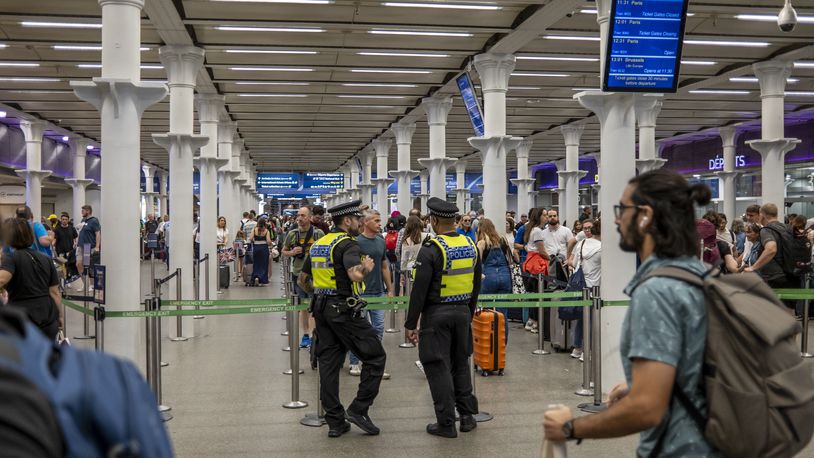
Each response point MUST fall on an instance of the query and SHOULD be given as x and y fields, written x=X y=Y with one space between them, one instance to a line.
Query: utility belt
x=351 y=304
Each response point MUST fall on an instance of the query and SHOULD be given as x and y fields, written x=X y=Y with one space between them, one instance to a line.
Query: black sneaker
x=468 y=423
x=339 y=430
x=437 y=430
x=363 y=422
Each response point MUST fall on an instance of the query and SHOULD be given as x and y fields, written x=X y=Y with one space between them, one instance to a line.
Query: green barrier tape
x=622 y=303
x=204 y=312
x=534 y=296
x=226 y=303
x=534 y=305
x=78 y=308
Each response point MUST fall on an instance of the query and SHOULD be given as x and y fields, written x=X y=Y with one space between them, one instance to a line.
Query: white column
x=560 y=189
x=245 y=163
x=423 y=178
x=366 y=186
x=647 y=108
x=494 y=71
x=437 y=109
x=524 y=184
x=728 y=175
x=235 y=206
x=382 y=148
x=569 y=207
x=617 y=122
x=33 y=130
x=78 y=183
x=404 y=176
x=162 y=192
x=121 y=98
x=209 y=108
x=182 y=64
x=226 y=187
x=149 y=188
x=461 y=193
x=355 y=192
x=773 y=145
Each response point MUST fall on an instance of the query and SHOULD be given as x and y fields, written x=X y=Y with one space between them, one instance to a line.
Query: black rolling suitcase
x=223 y=276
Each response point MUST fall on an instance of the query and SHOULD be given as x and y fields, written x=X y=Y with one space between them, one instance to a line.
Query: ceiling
x=311 y=85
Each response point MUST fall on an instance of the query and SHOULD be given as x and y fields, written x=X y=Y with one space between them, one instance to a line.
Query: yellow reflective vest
x=322 y=264
x=459 y=258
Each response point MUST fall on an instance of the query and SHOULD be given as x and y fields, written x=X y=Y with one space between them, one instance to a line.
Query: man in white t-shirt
x=556 y=237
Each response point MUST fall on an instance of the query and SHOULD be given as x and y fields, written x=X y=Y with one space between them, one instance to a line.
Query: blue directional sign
x=319 y=180
x=644 y=45
x=269 y=182
x=471 y=103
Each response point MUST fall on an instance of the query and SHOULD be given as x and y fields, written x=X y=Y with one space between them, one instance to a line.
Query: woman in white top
x=411 y=243
x=509 y=234
x=587 y=255
x=533 y=238
x=223 y=233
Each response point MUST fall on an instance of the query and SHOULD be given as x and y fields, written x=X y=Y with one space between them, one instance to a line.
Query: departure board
x=644 y=45
x=471 y=103
x=266 y=181
x=317 y=180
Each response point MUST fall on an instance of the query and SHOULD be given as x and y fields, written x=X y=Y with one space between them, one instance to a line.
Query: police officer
x=338 y=272
x=447 y=278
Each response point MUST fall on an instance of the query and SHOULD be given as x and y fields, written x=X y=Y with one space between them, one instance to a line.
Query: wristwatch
x=568 y=431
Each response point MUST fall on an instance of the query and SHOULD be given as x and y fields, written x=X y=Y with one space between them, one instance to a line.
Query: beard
x=353 y=231
x=633 y=241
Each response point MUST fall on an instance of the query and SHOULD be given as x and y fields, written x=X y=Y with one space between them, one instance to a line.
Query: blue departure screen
x=318 y=180
x=644 y=45
x=471 y=103
x=275 y=181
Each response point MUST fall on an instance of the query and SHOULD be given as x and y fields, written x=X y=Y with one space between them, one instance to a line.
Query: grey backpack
x=759 y=391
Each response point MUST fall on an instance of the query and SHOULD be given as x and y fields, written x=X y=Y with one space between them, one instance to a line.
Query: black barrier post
x=315 y=419
x=85 y=317
x=288 y=288
x=295 y=370
x=197 y=274
x=596 y=355
x=153 y=357
x=99 y=329
x=156 y=347
x=408 y=288
x=179 y=325
x=585 y=389
x=541 y=351
x=481 y=416
x=804 y=340
x=157 y=298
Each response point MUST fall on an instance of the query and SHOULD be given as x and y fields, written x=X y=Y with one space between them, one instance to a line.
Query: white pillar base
x=728 y=194
x=366 y=193
x=495 y=186
x=647 y=165
x=525 y=201
x=404 y=179
x=773 y=172
x=437 y=167
x=424 y=198
x=78 y=186
x=33 y=189
x=462 y=200
x=569 y=207
x=208 y=167
x=381 y=195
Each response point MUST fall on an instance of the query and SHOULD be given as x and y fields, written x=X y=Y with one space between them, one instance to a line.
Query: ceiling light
x=272 y=95
x=235 y=28
x=541 y=75
x=772 y=18
x=152 y=67
x=589 y=11
x=524 y=88
x=444 y=6
x=421 y=33
x=401 y=54
x=571 y=37
x=371 y=96
x=90 y=147
x=377 y=85
x=748 y=44
x=299 y=2
x=719 y=91
x=268 y=51
x=3 y=114
x=753 y=79
x=557 y=58
x=3 y=46
x=698 y=62
x=64 y=138
x=585 y=89
x=15 y=79
x=804 y=64
x=84 y=48
x=800 y=93
x=271 y=69
x=67 y=25
x=271 y=83
x=19 y=64
x=379 y=70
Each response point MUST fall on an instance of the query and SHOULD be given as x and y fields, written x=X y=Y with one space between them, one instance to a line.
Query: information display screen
x=277 y=181
x=644 y=45
x=316 y=180
x=471 y=103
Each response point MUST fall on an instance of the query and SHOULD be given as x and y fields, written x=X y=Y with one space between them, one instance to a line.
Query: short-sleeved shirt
x=667 y=322
x=772 y=270
x=151 y=226
x=40 y=231
x=374 y=248
x=64 y=238
x=32 y=274
x=347 y=255
x=518 y=238
x=535 y=236
x=556 y=240
x=470 y=233
x=296 y=238
x=87 y=235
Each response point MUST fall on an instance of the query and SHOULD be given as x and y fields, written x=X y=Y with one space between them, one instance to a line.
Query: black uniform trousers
x=337 y=332
x=444 y=347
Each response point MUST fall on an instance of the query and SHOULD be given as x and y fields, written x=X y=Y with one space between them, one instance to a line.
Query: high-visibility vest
x=459 y=256
x=322 y=264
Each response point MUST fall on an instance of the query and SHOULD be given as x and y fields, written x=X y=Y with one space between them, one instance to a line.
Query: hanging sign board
x=644 y=45
x=471 y=103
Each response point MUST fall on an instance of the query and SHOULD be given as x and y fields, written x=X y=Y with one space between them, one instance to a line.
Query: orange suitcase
x=489 y=339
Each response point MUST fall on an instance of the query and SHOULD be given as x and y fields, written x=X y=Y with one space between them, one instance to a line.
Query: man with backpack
x=740 y=389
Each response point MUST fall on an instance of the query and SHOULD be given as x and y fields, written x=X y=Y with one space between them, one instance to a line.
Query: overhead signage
x=471 y=103
x=267 y=181
x=644 y=45
x=718 y=162
x=316 y=180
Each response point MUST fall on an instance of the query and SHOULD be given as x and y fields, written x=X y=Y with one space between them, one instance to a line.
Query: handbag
x=518 y=287
x=575 y=283
x=535 y=264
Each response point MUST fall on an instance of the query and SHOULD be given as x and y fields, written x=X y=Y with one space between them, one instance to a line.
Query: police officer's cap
x=441 y=208
x=352 y=208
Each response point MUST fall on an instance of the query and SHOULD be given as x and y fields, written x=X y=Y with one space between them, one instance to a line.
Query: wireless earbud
x=641 y=225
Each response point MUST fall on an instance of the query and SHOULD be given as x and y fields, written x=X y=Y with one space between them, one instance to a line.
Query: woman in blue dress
x=261 y=240
x=495 y=254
